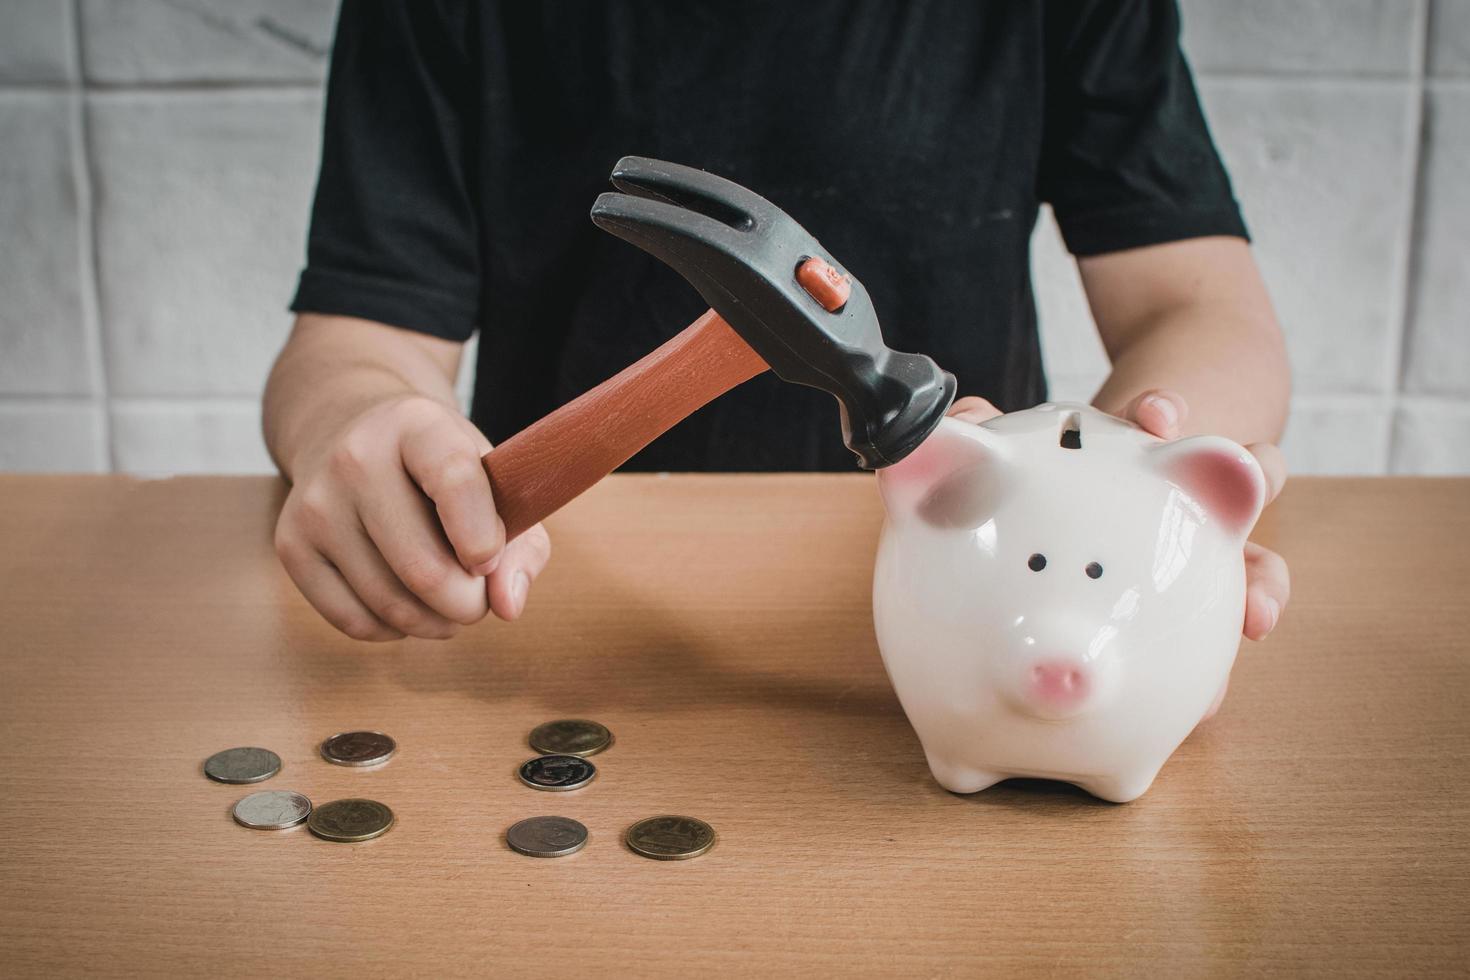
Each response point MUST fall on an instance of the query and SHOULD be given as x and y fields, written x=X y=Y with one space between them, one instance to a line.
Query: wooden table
x=720 y=626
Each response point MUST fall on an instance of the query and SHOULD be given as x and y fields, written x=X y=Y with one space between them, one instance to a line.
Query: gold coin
x=349 y=821
x=671 y=837
x=570 y=736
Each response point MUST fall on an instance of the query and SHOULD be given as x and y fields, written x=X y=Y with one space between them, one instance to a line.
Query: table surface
x=720 y=626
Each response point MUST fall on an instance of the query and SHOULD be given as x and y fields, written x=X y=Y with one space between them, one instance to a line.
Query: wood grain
x=535 y=472
x=720 y=626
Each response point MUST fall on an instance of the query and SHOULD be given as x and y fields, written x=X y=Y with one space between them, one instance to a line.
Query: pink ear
x=1220 y=475
x=949 y=481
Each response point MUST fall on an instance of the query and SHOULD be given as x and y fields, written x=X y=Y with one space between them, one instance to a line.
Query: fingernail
x=1273 y=612
x=518 y=587
x=1166 y=410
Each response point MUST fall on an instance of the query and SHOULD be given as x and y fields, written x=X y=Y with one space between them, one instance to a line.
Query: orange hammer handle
x=549 y=463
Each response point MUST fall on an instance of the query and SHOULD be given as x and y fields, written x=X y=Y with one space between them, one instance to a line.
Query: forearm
x=332 y=369
x=1232 y=374
x=1192 y=317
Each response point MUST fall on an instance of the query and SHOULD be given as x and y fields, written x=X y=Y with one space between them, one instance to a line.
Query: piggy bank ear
x=954 y=479
x=1219 y=475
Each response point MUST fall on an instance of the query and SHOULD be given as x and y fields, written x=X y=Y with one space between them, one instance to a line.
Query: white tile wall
x=130 y=42
x=36 y=41
x=210 y=436
x=1430 y=436
x=1449 y=39
x=1338 y=434
x=1438 y=348
x=1324 y=171
x=44 y=345
x=45 y=435
x=1356 y=37
x=201 y=203
x=174 y=142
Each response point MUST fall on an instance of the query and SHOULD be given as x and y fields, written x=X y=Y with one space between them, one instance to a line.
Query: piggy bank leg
x=1123 y=787
x=961 y=779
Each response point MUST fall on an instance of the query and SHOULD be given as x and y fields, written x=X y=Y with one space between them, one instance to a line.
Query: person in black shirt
x=464 y=143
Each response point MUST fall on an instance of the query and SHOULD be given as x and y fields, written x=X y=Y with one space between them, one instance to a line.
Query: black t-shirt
x=465 y=143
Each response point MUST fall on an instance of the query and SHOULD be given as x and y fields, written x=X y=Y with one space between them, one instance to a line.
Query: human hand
x=390 y=528
x=1162 y=413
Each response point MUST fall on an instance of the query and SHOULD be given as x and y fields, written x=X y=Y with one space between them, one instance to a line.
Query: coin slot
x=1071 y=437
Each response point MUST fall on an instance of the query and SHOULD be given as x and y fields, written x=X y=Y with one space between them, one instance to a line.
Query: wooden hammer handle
x=547 y=464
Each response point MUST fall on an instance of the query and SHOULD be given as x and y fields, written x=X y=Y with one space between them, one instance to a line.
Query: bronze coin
x=671 y=837
x=358 y=748
x=570 y=736
x=350 y=821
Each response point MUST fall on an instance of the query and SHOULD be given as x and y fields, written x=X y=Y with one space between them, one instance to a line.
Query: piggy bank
x=1059 y=594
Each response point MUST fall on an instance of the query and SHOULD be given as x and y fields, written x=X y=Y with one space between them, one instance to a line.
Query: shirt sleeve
x=394 y=235
x=1127 y=159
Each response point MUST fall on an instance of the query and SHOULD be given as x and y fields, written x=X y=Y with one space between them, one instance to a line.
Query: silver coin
x=557 y=773
x=570 y=736
x=349 y=821
x=358 y=748
x=242 y=765
x=670 y=837
x=547 y=837
x=272 y=809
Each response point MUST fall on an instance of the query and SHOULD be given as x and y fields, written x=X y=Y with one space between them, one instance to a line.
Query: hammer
x=778 y=301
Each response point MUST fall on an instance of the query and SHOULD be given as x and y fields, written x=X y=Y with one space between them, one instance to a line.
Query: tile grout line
x=87 y=229
x=1399 y=350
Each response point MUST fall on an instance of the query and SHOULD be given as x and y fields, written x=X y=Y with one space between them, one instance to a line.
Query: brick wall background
x=157 y=160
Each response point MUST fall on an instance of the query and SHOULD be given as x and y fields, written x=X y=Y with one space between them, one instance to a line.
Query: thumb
x=521 y=561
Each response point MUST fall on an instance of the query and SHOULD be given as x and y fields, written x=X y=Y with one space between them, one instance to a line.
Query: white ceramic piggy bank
x=1059 y=594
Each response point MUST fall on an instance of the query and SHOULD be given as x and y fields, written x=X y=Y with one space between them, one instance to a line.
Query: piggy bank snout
x=1057 y=687
x=1059 y=683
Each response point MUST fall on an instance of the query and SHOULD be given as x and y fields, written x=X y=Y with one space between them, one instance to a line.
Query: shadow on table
x=665 y=660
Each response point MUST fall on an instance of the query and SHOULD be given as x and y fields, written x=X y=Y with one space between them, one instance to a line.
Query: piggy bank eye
x=1094 y=570
x=1036 y=562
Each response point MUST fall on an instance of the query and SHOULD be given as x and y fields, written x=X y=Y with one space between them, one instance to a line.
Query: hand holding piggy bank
x=1059 y=594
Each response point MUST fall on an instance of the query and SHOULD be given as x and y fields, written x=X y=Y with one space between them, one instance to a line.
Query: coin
x=671 y=838
x=272 y=809
x=242 y=765
x=352 y=820
x=547 y=837
x=570 y=736
x=557 y=772
x=358 y=748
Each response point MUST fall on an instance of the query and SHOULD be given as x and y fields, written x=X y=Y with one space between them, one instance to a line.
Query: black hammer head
x=742 y=253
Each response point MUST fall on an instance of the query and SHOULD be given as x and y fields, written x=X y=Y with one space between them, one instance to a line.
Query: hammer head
x=742 y=253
